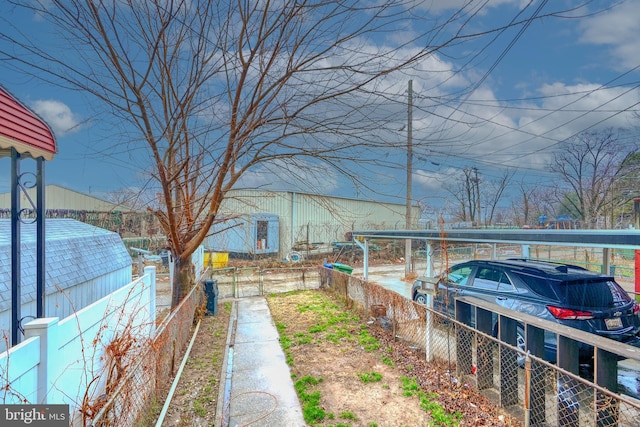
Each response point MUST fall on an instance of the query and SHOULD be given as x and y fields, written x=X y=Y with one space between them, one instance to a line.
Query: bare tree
x=589 y=164
x=521 y=208
x=472 y=192
x=492 y=194
x=625 y=190
x=463 y=190
x=535 y=202
x=206 y=91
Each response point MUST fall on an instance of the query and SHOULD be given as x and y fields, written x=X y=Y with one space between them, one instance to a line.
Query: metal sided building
x=61 y=198
x=314 y=218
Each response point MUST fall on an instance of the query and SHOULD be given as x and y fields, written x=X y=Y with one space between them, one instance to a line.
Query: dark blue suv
x=567 y=294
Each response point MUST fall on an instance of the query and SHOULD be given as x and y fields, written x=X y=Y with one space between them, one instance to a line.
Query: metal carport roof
x=605 y=239
x=612 y=239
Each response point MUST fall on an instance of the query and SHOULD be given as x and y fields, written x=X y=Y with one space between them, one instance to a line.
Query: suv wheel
x=421 y=298
x=520 y=343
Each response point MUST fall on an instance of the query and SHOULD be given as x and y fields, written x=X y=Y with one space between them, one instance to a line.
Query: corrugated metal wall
x=302 y=217
x=63 y=198
x=318 y=219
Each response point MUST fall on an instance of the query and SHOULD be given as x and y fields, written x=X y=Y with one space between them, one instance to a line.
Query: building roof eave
x=23 y=130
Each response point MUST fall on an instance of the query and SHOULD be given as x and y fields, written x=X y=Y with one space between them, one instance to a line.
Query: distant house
x=83 y=264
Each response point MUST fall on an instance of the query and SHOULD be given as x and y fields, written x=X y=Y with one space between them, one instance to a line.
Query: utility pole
x=477 y=182
x=407 y=242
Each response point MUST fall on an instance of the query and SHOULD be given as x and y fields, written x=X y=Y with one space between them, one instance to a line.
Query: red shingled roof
x=23 y=130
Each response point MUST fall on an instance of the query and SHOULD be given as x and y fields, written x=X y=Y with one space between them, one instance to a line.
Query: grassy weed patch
x=310 y=400
x=370 y=377
x=439 y=415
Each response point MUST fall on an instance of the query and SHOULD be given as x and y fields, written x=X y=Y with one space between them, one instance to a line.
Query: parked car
x=567 y=294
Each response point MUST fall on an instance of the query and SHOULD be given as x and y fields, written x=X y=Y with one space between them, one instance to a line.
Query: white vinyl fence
x=80 y=359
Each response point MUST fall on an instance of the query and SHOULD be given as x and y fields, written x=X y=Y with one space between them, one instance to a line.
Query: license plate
x=615 y=323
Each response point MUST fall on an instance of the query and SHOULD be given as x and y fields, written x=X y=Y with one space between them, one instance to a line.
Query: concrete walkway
x=256 y=388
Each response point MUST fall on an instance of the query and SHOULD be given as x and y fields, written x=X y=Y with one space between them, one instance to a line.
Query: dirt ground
x=339 y=365
x=196 y=397
x=350 y=351
x=358 y=385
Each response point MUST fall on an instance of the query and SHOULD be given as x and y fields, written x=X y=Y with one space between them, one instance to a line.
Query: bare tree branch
x=208 y=92
x=589 y=165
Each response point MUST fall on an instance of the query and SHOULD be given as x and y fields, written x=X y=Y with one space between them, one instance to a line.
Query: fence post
x=234 y=282
x=568 y=394
x=261 y=282
x=534 y=337
x=507 y=332
x=463 y=338
x=606 y=375
x=484 y=349
x=428 y=337
x=151 y=272
x=47 y=329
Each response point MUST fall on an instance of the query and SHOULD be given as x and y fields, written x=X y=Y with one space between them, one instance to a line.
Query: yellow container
x=216 y=259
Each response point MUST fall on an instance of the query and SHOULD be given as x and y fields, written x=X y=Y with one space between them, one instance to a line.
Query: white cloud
x=290 y=175
x=57 y=115
x=433 y=182
x=492 y=134
x=618 y=28
x=436 y=6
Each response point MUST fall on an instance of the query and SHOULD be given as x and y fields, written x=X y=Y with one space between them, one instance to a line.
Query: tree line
x=597 y=175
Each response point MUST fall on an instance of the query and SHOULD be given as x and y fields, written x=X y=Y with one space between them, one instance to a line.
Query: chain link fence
x=147 y=377
x=233 y=282
x=145 y=380
x=491 y=358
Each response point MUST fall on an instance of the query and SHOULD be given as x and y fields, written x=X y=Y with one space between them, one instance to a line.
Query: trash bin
x=326 y=279
x=211 y=291
x=343 y=268
x=165 y=256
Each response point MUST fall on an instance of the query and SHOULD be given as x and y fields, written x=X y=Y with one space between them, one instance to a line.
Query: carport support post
x=365 y=249
x=366 y=260
x=484 y=345
x=428 y=247
x=463 y=338
x=606 y=375
x=606 y=262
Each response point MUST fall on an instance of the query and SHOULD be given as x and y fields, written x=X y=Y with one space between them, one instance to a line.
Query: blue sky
x=558 y=78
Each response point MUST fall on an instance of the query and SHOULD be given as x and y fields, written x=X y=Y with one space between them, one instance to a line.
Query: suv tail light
x=567 y=314
x=636 y=308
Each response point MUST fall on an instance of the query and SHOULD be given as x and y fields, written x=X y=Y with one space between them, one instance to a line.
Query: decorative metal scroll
x=27 y=215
